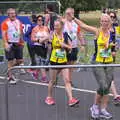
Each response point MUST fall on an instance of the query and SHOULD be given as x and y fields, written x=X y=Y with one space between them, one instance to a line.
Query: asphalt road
x=26 y=99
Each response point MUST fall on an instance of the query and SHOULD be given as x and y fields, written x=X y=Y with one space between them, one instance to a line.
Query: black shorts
x=73 y=55
x=54 y=63
x=15 y=52
x=40 y=51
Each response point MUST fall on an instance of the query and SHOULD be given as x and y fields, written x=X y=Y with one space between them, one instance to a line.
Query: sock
x=95 y=105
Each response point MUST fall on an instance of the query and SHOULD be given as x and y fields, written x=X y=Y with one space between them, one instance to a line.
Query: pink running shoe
x=49 y=101
x=30 y=71
x=35 y=75
x=73 y=102
x=44 y=79
x=116 y=100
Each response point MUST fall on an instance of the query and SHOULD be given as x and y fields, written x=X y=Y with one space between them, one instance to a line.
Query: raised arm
x=86 y=27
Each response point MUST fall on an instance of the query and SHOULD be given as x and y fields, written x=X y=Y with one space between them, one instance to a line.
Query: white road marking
x=58 y=86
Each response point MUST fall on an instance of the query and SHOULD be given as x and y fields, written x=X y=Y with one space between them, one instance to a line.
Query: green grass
x=1 y=48
x=92 y=21
x=91 y=18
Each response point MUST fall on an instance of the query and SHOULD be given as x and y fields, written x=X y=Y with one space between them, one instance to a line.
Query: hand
x=39 y=40
x=71 y=15
x=63 y=45
x=113 y=54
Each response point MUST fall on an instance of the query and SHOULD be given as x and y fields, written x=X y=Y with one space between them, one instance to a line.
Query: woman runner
x=60 y=46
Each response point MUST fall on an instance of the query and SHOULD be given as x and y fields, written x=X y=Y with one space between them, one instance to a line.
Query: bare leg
x=10 y=65
x=97 y=99
x=51 y=82
x=65 y=74
x=43 y=72
x=104 y=102
x=113 y=90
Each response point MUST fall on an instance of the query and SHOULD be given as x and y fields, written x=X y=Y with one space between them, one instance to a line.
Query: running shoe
x=35 y=75
x=29 y=70
x=116 y=100
x=49 y=101
x=73 y=102
x=105 y=115
x=94 y=111
x=12 y=80
x=44 y=79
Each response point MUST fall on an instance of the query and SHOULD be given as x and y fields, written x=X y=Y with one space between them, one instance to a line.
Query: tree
x=83 y=4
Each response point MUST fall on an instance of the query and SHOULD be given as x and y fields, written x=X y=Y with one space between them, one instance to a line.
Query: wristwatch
x=38 y=40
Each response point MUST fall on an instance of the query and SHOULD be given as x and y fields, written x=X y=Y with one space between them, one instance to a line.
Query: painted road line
x=58 y=86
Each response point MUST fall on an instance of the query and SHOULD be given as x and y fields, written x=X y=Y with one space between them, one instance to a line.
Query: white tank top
x=14 y=31
x=72 y=28
x=39 y=35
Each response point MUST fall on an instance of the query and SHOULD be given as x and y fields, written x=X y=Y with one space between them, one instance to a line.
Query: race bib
x=73 y=35
x=105 y=53
x=14 y=37
x=60 y=54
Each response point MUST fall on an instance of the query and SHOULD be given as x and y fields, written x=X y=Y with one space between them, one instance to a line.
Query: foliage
x=83 y=5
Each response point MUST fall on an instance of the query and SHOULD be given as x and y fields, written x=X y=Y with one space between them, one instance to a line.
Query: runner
x=60 y=45
x=104 y=75
x=12 y=36
x=40 y=37
x=73 y=31
x=113 y=17
x=116 y=96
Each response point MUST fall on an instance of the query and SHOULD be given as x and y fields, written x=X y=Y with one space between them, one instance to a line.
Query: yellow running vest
x=58 y=54
x=103 y=55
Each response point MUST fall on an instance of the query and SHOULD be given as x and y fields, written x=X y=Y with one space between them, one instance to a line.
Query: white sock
x=103 y=109
x=95 y=105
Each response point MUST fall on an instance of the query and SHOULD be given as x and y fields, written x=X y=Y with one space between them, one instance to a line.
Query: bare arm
x=44 y=39
x=5 y=43
x=86 y=27
x=68 y=46
x=81 y=38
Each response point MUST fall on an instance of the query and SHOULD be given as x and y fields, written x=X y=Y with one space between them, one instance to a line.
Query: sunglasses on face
x=39 y=20
x=112 y=16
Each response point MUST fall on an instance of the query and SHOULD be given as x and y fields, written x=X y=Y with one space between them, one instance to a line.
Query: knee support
x=103 y=92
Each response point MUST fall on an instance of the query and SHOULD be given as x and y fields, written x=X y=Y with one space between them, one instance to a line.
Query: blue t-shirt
x=27 y=36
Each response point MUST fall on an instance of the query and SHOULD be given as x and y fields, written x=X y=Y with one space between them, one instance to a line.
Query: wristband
x=38 y=40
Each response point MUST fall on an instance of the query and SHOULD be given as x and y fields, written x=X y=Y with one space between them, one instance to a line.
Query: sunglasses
x=39 y=20
x=112 y=16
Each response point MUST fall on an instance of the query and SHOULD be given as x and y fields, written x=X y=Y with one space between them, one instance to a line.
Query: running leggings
x=104 y=77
